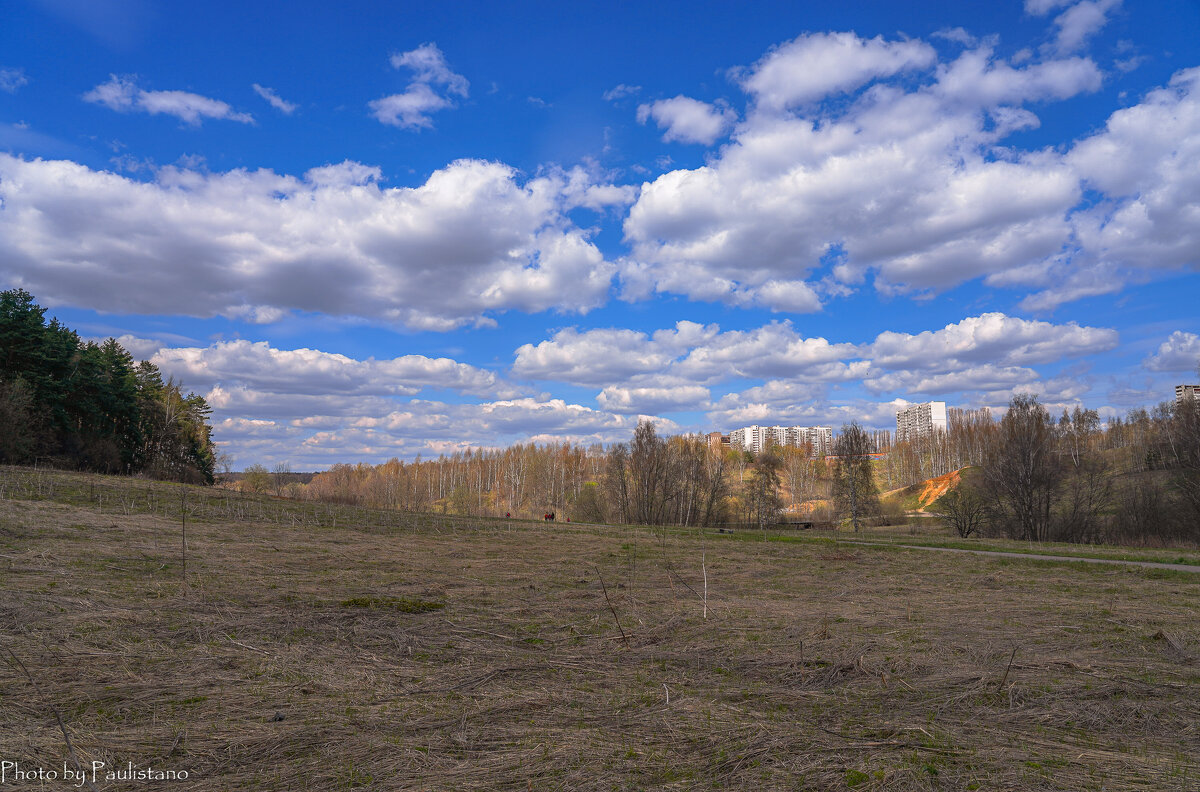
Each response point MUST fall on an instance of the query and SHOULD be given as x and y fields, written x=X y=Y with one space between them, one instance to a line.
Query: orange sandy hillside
x=922 y=495
x=935 y=488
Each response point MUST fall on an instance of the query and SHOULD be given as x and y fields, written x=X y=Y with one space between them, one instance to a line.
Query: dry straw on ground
x=285 y=662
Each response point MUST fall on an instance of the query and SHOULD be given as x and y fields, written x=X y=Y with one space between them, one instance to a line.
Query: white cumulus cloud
x=815 y=65
x=433 y=82
x=259 y=366
x=471 y=241
x=1079 y=22
x=688 y=120
x=650 y=399
x=910 y=183
x=1180 y=352
x=991 y=338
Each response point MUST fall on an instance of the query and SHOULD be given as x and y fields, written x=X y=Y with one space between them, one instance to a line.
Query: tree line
x=1072 y=480
x=76 y=404
x=650 y=480
x=1026 y=476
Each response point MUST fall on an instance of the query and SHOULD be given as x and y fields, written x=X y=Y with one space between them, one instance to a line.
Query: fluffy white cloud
x=906 y=182
x=139 y=348
x=589 y=187
x=770 y=351
x=302 y=409
x=816 y=65
x=775 y=393
x=689 y=354
x=1055 y=394
x=593 y=357
x=1180 y=352
x=992 y=338
x=259 y=366
x=980 y=353
x=977 y=78
x=1077 y=24
x=429 y=66
x=1143 y=162
x=424 y=427
x=12 y=79
x=314 y=408
x=620 y=399
x=607 y=355
x=273 y=99
x=688 y=120
x=123 y=95
x=986 y=377
x=432 y=84
x=410 y=109
x=472 y=239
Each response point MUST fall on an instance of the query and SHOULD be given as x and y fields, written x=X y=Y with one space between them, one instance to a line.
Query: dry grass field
x=323 y=647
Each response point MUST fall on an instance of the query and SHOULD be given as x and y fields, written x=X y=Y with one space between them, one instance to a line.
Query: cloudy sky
x=366 y=232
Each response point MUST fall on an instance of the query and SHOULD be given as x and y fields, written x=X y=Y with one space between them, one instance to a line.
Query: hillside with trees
x=76 y=404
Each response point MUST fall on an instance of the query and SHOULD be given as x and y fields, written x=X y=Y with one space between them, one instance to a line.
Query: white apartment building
x=1187 y=392
x=819 y=437
x=756 y=438
x=920 y=420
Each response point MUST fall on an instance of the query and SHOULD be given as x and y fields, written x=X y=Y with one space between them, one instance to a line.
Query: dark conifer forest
x=76 y=404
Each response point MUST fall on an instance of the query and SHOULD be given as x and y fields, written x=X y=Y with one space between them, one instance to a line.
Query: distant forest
x=76 y=404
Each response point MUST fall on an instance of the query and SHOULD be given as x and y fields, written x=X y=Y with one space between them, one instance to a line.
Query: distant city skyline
x=364 y=231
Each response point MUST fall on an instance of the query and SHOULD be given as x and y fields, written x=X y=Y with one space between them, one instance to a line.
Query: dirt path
x=1036 y=556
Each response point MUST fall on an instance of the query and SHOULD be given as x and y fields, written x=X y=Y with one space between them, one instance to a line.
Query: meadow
x=317 y=646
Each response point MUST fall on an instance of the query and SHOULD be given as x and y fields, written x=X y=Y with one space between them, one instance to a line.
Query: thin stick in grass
x=62 y=726
x=1010 y=662
x=624 y=637
x=183 y=519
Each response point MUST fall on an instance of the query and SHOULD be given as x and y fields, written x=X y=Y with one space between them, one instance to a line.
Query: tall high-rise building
x=1187 y=392
x=920 y=420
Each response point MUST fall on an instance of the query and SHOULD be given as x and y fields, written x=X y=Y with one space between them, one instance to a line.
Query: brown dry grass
x=817 y=668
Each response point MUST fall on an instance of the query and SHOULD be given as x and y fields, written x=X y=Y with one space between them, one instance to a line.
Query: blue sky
x=364 y=232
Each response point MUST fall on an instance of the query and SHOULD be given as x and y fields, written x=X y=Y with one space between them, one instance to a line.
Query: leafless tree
x=651 y=481
x=1022 y=473
x=616 y=482
x=762 y=488
x=855 y=493
x=963 y=508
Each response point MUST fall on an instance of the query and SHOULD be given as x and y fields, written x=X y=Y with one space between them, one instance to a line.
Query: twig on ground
x=624 y=637
x=1010 y=662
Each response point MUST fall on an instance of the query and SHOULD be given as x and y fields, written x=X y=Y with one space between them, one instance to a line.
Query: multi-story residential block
x=1183 y=392
x=819 y=437
x=748 y=438
x=717 y=441
x=920 y=420
x=756 y=438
